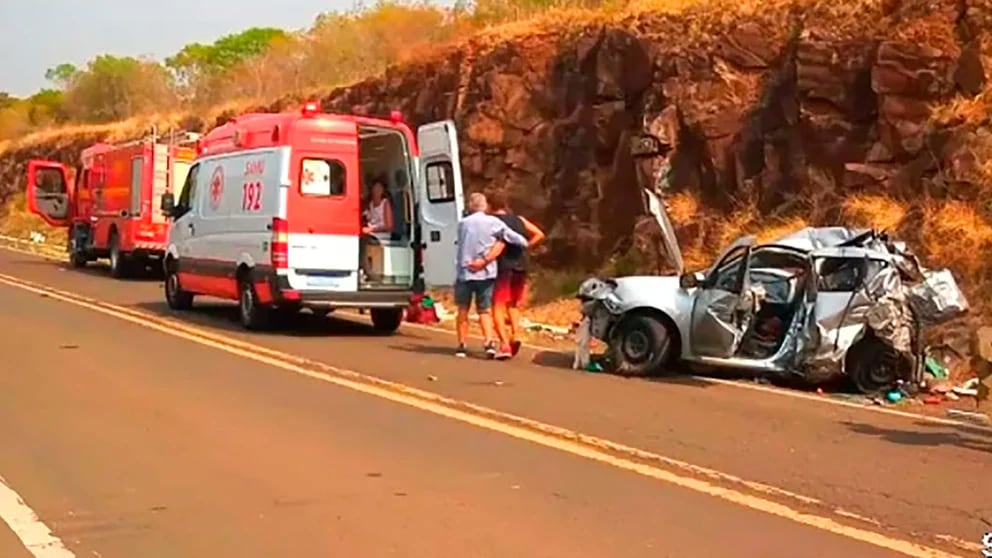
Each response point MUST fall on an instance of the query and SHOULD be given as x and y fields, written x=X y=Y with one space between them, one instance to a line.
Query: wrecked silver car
x=814 y=305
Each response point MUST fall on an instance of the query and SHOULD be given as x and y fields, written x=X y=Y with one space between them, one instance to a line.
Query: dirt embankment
x=789 y=115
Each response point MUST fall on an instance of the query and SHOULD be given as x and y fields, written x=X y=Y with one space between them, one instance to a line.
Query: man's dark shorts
x=480 y=290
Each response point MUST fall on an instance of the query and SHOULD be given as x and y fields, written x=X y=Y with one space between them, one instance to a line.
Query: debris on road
x=969 y=388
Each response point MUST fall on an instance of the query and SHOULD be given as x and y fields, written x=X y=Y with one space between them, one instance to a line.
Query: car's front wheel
x=642 y=345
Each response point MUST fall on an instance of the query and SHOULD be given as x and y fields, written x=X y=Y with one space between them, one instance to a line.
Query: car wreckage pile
x=813 y=306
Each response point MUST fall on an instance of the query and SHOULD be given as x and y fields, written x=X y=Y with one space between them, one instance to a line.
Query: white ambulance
x=271 y=212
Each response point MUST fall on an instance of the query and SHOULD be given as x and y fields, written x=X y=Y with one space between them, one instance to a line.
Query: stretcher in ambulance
x=271 y=215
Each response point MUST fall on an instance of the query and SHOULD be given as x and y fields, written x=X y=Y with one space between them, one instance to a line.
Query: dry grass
x=17 y=222
x=956 y=236
x=874 y=211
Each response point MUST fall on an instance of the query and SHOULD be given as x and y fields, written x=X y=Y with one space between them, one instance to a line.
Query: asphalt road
x=131 y=442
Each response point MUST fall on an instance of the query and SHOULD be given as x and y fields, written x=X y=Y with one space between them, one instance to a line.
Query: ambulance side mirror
x=168 y=204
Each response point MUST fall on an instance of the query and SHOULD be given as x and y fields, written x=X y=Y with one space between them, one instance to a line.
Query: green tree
x=199 y=69
x=46 y=106
x=62 y=75
x=115 y=88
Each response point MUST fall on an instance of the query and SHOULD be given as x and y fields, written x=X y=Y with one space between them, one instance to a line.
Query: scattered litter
x=594 y=366
x=969 y=388
x=819 y=391
x=935 y=368
x=939 y=388
x=498 y=383
x=932 y=400
x=431 y=378
x=951 y=396
x=894 y=396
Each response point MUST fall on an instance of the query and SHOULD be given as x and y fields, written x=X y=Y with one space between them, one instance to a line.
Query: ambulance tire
x=119 y=264
x=175 y=296
x=386 y=320
x=253 y=314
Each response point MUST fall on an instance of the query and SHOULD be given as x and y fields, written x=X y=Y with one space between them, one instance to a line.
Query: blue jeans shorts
x=481 y=290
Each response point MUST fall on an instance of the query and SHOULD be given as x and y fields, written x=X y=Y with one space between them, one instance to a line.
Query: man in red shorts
x=510 y=291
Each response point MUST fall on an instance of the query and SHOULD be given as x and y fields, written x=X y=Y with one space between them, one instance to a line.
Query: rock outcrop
x=800 y=113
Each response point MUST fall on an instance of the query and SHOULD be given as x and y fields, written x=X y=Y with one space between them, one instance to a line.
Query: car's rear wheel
x=642 y=345
x=873 y=366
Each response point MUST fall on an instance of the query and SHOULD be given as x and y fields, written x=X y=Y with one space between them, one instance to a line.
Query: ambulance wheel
x=118 y=262
x=386 y=320
x=253 y=314
x=175 y=296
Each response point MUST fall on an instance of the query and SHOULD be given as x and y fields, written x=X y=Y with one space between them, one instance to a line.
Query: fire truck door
x=440 y=199
x=48 y=192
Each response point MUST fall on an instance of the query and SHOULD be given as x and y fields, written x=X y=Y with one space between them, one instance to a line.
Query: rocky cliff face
x=793 y=114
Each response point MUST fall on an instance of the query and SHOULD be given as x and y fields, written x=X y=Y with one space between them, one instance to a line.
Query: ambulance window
x=440 y=182
x=322 y=177
x=188 y=195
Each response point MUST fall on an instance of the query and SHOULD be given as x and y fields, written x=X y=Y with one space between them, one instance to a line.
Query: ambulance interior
x=387 y=258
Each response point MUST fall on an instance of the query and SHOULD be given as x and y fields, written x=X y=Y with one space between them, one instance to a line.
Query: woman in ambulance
x=379 y=213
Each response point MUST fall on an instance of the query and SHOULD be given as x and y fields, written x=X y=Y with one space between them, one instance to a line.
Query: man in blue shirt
x=481 y=239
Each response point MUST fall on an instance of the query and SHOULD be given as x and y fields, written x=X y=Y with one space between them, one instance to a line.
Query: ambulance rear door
x=324 y=207
x=441 y=201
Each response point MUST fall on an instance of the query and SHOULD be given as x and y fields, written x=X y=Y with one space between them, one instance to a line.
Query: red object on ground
x=931 y=400
x=417 y=313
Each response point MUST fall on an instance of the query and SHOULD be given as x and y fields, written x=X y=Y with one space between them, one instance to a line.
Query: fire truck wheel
x=386 y=320
x=254 y=315
x=175 y=296
x=118 y=261
x=78 y=259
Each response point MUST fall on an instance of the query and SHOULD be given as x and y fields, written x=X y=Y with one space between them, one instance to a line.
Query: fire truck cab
x=112 y=207
x=271 y=215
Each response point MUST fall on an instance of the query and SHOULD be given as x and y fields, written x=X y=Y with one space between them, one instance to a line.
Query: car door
x=721 y=312
x=441 y=201
x=48 y=192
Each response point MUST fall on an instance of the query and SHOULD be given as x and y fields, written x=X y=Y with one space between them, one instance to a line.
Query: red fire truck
x=113 y=208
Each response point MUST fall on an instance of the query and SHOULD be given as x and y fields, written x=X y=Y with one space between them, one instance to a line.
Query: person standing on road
x=481 y=239
x=510 y=290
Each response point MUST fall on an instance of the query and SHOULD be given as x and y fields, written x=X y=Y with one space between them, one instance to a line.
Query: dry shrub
x=956 y=236
x=779 y=228
x=874 y=211
x=16 y=221
x=683 y=208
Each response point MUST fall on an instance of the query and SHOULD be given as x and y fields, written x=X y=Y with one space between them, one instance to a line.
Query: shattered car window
x=845 y=274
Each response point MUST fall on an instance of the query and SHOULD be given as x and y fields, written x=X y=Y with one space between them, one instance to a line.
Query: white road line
x=33 y=534
x=542 y=434
x=771 y=390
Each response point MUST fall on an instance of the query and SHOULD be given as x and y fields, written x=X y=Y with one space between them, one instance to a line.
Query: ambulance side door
x=440 y=199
